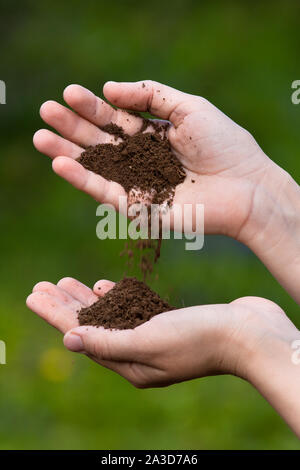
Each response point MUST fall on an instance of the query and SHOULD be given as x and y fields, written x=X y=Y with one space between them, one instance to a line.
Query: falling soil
x=148 y=171
x=127 y=305
x=147 y=252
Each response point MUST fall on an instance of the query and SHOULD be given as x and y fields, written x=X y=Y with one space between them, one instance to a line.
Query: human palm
x=171 y=347
x=223 y=162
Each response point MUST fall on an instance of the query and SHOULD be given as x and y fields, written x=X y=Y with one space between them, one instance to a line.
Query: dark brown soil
x=127 y=305
x=143 y=162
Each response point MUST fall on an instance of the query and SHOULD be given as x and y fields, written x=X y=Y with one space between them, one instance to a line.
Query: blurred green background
x=243 y=56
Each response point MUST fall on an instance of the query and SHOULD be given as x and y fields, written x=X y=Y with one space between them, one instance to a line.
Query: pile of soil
x=143 y=162
x=127 y=305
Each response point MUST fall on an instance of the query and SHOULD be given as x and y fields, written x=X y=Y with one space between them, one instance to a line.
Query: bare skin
x=245 y=194
x=250 y=337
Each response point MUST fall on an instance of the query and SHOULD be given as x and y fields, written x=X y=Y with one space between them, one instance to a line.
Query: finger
x=72 y=126
x=53 y=311
x=59 y=293
x=97 y=111
x=53 y=145
x=160 y=100
x=95 y=185
x=106 y=345
x=102 y=287
x=119 y=355
x=79 y=291
x=139 y=375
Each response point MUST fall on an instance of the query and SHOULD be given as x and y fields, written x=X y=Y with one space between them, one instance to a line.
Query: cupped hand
x=173 y=346
x=245 y=195
x=224 y=164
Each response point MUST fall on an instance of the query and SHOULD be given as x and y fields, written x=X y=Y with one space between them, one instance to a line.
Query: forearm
x=273 y=229
x=275 y=373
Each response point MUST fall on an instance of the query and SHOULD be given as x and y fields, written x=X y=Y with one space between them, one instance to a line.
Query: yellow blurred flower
x=56 y=365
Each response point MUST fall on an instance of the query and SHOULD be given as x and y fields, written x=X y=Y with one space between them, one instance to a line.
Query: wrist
x=274 y=352
x=274 y=211
x=274 y=372
x=257 y=332
x=272 y=228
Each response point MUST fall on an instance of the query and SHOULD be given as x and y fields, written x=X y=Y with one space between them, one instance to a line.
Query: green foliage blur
x=243 y=56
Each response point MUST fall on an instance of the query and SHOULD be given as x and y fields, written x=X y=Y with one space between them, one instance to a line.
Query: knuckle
x=202 y=101
x=92 y=348
x=96 y=108
x=149 y=83
x=102 y=349
x=150 y=87
x=252 y=302
x=84 y=183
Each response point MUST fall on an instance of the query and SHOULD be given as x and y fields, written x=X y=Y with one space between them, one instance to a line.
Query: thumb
x=160 y=100
x=104 y=344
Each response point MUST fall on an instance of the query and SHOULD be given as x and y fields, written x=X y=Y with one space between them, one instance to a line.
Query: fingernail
x=73 y=342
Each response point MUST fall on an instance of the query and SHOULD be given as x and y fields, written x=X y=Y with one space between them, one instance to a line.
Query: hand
x=171 y=347
x=222 y=159
x=245 y=195
x=251 y=337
